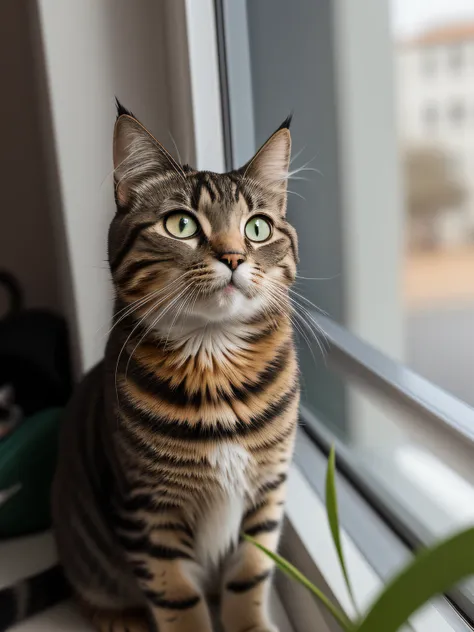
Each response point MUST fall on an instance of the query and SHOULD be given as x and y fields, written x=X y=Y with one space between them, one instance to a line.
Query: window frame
x=442 y=413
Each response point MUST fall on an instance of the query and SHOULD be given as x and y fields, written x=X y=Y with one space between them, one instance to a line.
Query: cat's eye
x=258 y=228
x=181 y=225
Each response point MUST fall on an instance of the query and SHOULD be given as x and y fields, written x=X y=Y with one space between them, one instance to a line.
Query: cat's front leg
x=174 y=600
x=163 y=563
x=247 y=581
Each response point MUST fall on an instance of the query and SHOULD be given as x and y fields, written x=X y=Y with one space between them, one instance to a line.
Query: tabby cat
x=180 y=440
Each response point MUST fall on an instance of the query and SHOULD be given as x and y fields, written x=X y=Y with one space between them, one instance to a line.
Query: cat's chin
x=229 y=303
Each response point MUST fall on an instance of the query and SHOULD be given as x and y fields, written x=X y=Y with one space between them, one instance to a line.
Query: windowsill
x=26 y=556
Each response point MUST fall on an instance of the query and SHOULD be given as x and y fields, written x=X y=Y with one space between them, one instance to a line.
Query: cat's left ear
x=270 y=165
x=136 y=154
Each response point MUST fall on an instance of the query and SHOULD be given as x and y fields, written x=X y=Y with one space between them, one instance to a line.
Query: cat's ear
x=271 y=163
x=136 y=154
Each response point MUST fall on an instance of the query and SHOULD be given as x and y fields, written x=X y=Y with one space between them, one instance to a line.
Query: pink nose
x=233 y=259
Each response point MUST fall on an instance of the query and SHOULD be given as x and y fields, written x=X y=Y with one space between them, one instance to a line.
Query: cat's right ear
x=137 y=154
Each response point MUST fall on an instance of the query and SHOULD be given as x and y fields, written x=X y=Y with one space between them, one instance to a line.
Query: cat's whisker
x=128 y=309
x=305 y=168
x=297 y=194
x=303 y=317
x=181 y=307
x=175 y=146
x=292 y=291
x=319 y=333
x=331 y=278
x=169 y=306
x=297 y=155
x=144 y=317
x=306 y=300
x=276 y=300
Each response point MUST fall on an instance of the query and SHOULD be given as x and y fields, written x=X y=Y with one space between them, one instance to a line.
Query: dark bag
x=34 y=352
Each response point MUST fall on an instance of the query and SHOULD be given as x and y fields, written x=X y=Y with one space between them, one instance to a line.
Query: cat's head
x=205 y=245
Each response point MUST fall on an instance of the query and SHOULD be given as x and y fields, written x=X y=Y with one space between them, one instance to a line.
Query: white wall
x=93 y=51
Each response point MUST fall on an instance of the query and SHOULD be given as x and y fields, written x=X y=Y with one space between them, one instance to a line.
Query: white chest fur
x=221 y=518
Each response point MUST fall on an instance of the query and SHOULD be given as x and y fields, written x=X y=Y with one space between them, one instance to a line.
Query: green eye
x=181 y=225
x=258 y=229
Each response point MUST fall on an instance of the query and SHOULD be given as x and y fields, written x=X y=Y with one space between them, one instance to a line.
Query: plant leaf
x=333 y=519
x=295 y=574
x=432 y=572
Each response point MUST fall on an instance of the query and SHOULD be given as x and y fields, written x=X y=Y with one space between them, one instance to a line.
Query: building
x=435 y=76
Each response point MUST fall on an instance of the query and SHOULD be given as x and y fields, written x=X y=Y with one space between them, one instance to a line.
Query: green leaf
x=333 y=519
x=432 y=572
x=295 y=574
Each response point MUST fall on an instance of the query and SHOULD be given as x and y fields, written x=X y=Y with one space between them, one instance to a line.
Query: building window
x=430 y=116
x=455 y=57
x=428 y=62
x=457 y=113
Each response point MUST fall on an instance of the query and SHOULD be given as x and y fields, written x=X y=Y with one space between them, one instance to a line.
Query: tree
x=430 y=189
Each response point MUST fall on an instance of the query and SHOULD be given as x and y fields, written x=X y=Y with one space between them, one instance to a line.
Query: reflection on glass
x=434 y=62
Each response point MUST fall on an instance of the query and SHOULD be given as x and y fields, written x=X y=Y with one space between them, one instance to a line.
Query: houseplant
x=431 y=572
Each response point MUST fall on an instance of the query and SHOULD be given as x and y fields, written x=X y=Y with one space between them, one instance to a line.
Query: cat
x=180 y=439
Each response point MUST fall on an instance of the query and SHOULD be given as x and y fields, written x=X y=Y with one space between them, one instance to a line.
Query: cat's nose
x=232 y=259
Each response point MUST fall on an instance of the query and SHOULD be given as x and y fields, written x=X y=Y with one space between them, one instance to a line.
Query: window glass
x=364 y=113
x=390 y=258
x=438 y=255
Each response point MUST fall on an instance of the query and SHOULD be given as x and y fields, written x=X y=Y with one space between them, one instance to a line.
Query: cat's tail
x=32 y=595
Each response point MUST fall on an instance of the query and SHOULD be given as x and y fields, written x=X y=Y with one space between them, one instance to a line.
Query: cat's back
x=77 y=435
x=81 y=494
x=84 y=406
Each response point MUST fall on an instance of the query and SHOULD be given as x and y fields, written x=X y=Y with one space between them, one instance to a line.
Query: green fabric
x=29 y=456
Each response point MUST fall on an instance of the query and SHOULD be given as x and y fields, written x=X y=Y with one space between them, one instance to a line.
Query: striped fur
x=180 y=439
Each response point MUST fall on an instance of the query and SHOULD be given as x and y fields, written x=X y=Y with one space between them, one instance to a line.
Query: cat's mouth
x=233 y=287
x=230 y=288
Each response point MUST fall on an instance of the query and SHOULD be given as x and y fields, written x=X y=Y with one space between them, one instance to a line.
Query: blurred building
x=435 y=74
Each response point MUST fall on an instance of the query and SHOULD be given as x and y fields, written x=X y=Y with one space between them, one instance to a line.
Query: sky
x=410 y=16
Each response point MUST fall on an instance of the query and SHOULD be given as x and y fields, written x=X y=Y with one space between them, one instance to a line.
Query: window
x=457 y=113
x=384 y=251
